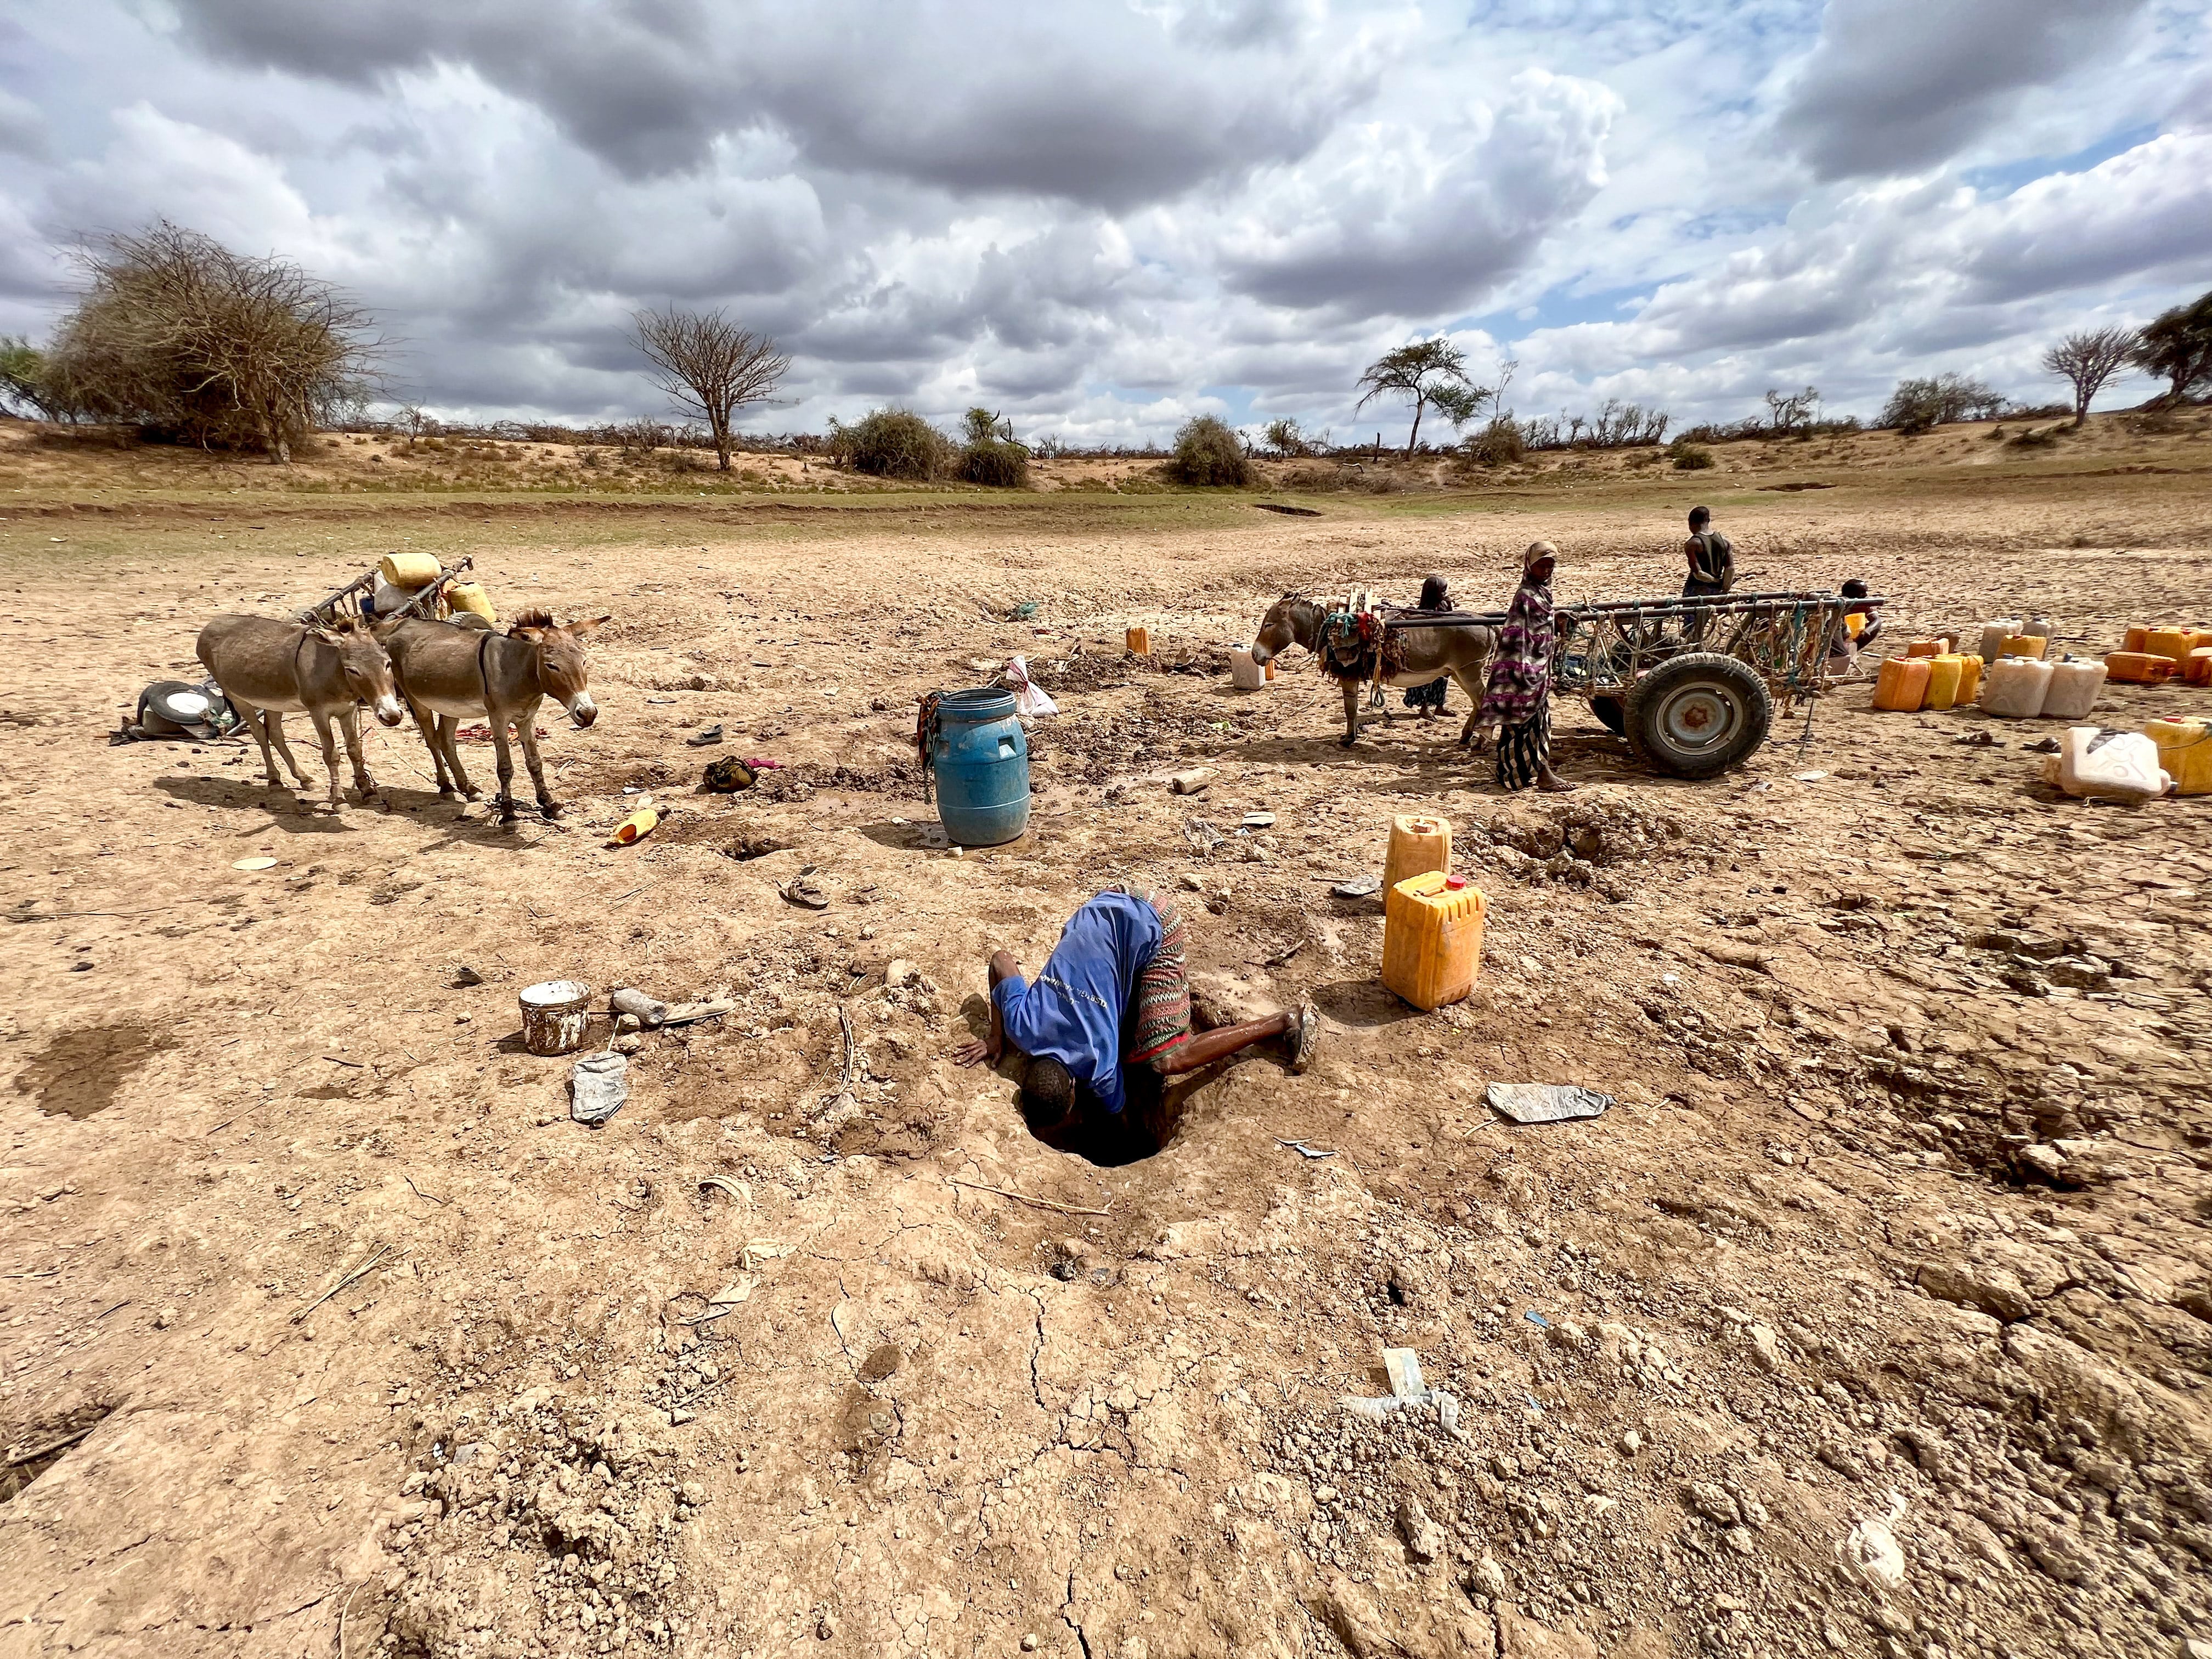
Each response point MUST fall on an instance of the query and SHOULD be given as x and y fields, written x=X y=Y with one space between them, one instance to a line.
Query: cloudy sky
x=1102 y=216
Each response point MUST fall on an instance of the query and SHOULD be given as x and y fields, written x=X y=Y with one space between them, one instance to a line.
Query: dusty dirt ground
x=323 y=1329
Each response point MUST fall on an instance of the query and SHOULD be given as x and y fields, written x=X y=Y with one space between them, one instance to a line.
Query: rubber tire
x=1733 y=681
x=1610 y=715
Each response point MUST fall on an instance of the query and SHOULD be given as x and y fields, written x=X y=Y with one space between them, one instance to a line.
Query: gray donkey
x=1461 y=650
x=449 y=672
x=267 y=668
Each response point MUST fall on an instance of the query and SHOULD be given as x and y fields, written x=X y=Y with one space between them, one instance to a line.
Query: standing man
x=1712 y=558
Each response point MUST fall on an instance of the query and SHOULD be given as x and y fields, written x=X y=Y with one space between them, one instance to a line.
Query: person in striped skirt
x=1115 y=994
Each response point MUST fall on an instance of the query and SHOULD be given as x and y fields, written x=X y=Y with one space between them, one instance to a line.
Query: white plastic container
x=2075 y=687
x=1994 y=633
x=2039 y=626
x=2122 y=767
x=2013 y=687
x=1247 y=675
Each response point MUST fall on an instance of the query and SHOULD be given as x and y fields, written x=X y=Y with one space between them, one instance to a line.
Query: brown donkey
x=1461 y=650
x=448 y=672
x=267 y=668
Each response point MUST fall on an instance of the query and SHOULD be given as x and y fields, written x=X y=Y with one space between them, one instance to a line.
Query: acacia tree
x=177 y=334
x=2087 y=360
x=2177 y=344
x=709 y=366
x=1426 y=371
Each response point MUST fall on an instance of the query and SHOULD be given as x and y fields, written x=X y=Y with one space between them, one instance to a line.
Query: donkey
x=1461 y=650
x=267 y=668
x=448 y=672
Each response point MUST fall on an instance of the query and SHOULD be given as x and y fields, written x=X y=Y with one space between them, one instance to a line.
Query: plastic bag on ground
x=1029 y=701
x=600 y=1083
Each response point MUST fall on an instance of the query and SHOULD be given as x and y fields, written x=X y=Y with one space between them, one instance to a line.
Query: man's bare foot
x=1553 y=783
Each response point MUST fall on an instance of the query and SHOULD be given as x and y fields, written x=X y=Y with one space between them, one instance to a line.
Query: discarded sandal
x=803 y=890
x=703 y=735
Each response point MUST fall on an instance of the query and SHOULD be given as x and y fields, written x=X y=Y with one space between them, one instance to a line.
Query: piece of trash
x=2043 y=746
x=650 y=1011
x=1537 y=1320
x=254 y=864
x=1359 y=887
x=1029 y=701
x=761 y=764
x=554 y=1012
x=1202 y=835
x=1022 y=611
x=703 y=735
x=1808 y=777
x=638 y=825
x=1407 y=1388
x=1302 y=1149
x=1403 y=1366
x=688 y=1013
x=1871 y=1553
x=1545 y=1103
x=1259 y=820
x=598 y=1085
x=803 y=890
x=731 y=1188
x=1191 y=782
x=732 y=1295
x=729 y=775
x=1535 y=1405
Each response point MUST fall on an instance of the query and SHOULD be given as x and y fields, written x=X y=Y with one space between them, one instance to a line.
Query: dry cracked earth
x=1873 y=1317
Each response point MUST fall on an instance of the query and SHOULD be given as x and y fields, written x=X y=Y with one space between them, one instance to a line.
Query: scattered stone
x=1714 y=1504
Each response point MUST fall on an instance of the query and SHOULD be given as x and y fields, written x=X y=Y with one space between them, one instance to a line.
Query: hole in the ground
x=37 y=1450
x=1142 y=1129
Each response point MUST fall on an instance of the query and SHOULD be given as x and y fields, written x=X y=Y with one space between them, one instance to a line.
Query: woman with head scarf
x=1517 y=699
x=1435 y=595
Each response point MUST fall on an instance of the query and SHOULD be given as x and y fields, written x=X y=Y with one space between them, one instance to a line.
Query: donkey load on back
x=443 y=672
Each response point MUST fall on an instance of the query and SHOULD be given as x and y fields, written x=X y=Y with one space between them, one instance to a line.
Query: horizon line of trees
x=179 y=338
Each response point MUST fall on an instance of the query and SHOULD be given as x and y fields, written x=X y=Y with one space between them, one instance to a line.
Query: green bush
x=1207 y=453
x=892 y=443
x=1691 y=458
x=998 y=462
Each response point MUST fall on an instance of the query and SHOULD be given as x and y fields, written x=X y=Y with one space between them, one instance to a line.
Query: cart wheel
x=1611 y=715
x=1695 y=716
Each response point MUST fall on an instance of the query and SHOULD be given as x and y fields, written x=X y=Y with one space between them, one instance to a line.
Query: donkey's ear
x=585 y=625
x=320 y=631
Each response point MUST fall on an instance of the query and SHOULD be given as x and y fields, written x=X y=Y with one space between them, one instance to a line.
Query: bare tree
x=1421 y=371
x=709 y=366
x=2088 y=360
x=1788 y=410
x=175 y=333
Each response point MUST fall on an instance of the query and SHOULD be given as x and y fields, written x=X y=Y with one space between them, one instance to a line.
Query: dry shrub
x=892 y=443
x=1207 y=453
x=1499 y=444
x=1314 y=478
x=184 y=339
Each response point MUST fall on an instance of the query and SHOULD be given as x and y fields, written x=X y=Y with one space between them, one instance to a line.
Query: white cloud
x=1104 y=216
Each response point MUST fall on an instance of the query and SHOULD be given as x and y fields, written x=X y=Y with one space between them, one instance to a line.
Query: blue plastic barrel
x=981 y=759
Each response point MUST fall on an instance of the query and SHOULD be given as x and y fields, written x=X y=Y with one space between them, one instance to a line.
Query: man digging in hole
x=1115 y=993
